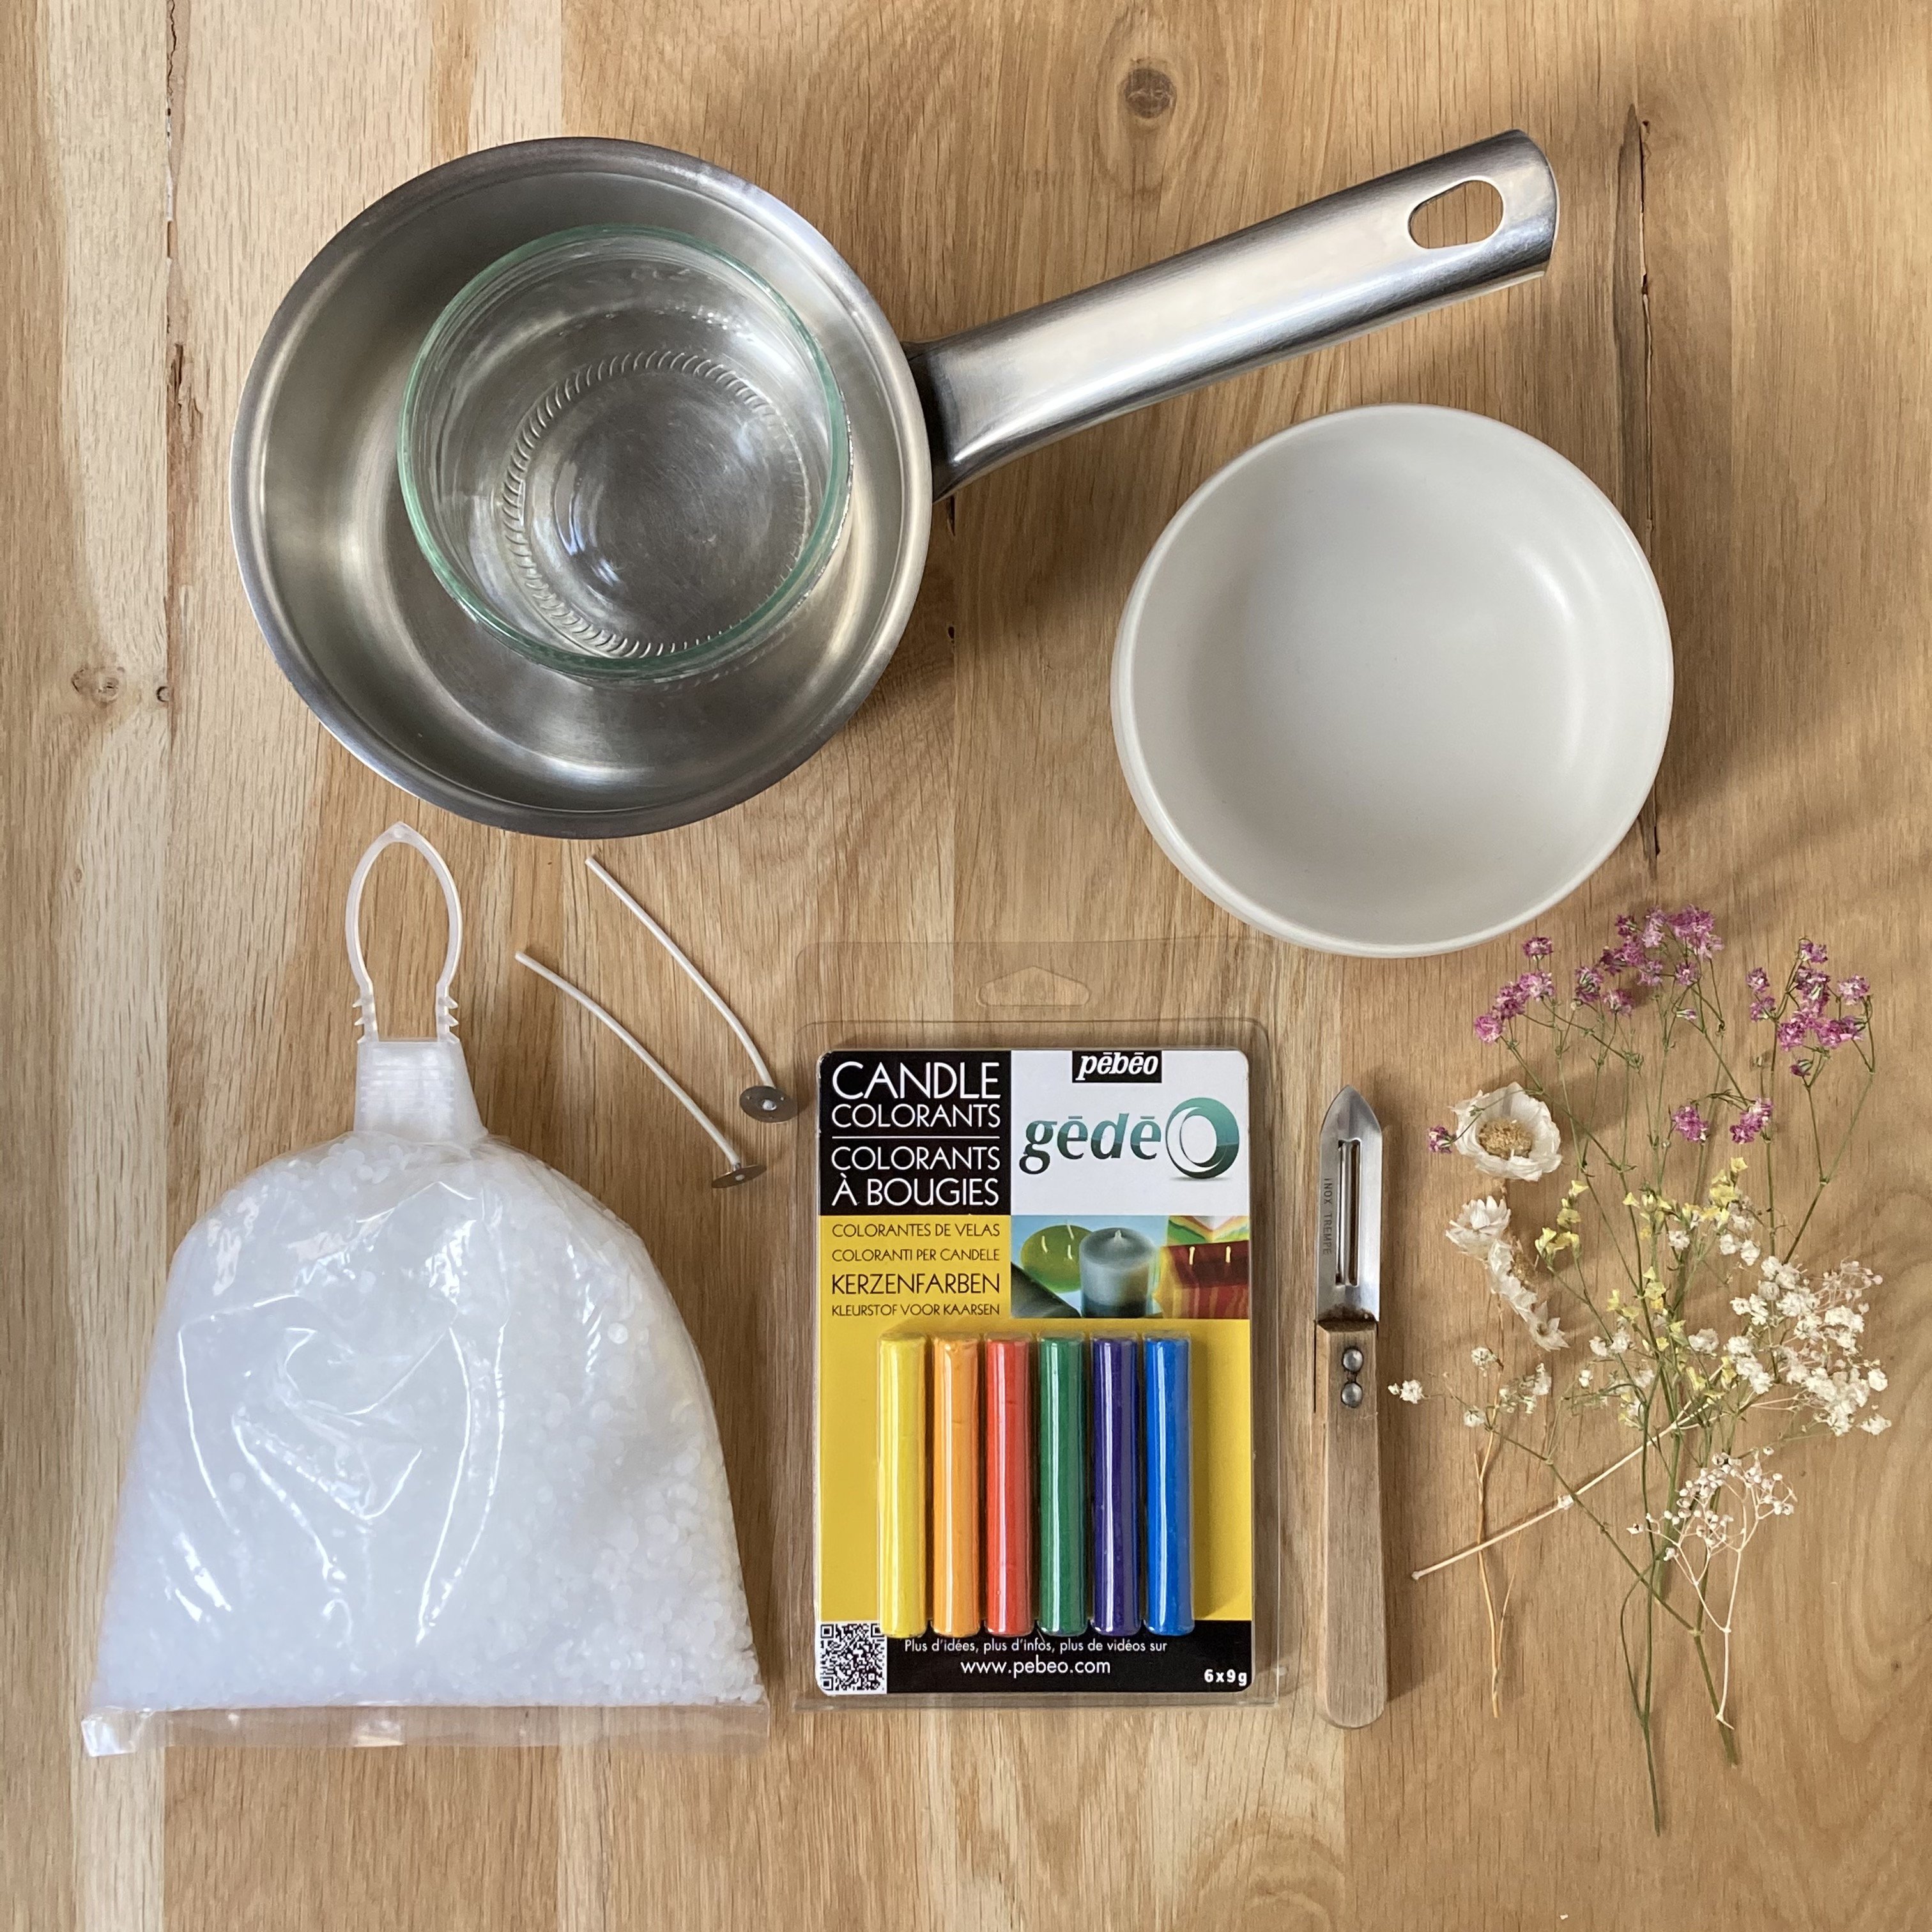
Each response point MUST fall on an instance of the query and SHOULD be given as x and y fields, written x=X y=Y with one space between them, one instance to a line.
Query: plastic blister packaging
x=425 y=1452
x=1045 y=1365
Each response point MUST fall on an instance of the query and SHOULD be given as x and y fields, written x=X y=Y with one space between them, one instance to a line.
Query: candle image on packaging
x=1117 y=1266
x=1008 y=1455
x=1167 y=1441
x=902 y=1481
x=955 y=1487
x=1063 y=1485
x=1116 y=1489
x=1035 y=1462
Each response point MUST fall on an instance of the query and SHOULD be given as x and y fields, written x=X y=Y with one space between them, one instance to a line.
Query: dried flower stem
x=1528 y=1522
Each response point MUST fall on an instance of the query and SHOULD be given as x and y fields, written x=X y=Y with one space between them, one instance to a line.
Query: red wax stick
x=1008 y=1370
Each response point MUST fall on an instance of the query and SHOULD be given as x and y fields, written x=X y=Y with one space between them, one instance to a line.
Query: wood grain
x=1729 y=342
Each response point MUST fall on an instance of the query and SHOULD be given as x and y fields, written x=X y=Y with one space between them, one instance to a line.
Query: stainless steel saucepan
x=418 y=687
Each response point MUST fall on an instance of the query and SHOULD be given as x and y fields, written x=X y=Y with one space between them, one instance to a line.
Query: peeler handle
x=1352 y=1676
x=1337 y=268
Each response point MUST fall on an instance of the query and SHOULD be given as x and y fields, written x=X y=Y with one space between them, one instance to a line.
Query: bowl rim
x=703 y=653
x=1654 y=645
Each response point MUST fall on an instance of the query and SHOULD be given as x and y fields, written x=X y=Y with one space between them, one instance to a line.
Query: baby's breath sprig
x=1655 y=1250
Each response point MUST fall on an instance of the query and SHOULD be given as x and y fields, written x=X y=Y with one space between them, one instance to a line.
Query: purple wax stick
x=1116 y=1488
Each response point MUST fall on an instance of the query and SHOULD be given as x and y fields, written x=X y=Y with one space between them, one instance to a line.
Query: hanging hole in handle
x=1033 y=986
x=1472 y=211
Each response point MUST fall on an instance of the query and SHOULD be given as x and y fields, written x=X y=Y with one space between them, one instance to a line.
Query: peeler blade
x=1348 y=1222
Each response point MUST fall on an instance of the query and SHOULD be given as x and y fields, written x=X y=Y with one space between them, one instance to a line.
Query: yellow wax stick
x=902 y=1558
x=955 y=1487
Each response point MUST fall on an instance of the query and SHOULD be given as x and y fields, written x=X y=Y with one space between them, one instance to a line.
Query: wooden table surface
x=1731 y=340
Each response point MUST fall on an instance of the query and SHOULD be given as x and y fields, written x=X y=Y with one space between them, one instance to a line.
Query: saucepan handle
x=1337 y=268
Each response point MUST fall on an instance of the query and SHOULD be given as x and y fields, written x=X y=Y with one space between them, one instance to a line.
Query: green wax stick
x=1063 y=1485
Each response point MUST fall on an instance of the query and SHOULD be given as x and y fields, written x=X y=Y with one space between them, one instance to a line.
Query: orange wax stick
x=955 y=1487
x=1009 y=1487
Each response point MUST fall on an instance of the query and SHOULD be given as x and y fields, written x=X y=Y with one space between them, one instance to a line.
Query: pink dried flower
x=1440 y=1140
x=1687 y=1121
x=1811 y=952
x=1537 y=947
x=1686 y=974
x=1791 y=1032
x=1695 y=928
x=1857 y=989
x=1616 y=1000
x=1759 y=981
x=1830 y=1033
x=1589 y=986
x=1653 y=928
x=1751 y=1123
x=1651 y=973
x=1489 y=1028
x=1537 y=986
x=1763 y=1008
x=1626 y=926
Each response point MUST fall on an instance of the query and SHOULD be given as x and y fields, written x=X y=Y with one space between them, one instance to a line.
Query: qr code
x=851 y=1659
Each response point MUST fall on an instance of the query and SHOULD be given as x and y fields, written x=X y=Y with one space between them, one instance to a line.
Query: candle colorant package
x=1036 y=1431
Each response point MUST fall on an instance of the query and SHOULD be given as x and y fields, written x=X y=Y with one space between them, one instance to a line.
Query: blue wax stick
x=1170 y=1487
x=1116 y=1489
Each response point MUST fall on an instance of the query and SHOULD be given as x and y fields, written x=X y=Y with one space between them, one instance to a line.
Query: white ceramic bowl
x=1393 y=682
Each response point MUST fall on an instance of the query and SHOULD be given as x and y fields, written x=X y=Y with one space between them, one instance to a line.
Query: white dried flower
x=1472 y=1418
x=1408 y=1391
x=1679 y=1239
x=1481 y=1356
x=1566 y=1501
x=1876 y=1425
x=1585 y=1378
x=1546 y=1331
x=1620 y=1341
x=1508 y=1134
x=1600 y=1348
x=1748 y=1254
x=1479 y=1225
x=1704 y=1342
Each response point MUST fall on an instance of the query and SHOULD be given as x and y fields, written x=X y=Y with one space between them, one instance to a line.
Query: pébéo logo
x=1142 y=1066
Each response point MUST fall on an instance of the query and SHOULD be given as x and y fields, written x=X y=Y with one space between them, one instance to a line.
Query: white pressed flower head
x=1585 y=1378
x=1748 y=1254
x=1508 y=1134
x=1479 y=1225
x=1600 y=1348
x=1679 y=1240
x=1876 y=1425
x=1704 y=1342
x=1620 y=1341
x=1566 y=1501
x=1875 y=1378
x=1727 y=1244
x=1481 y=1356
x=1546 y=1331
x=1472 y=1418
x=1539 y=1383
x=1408 y=1391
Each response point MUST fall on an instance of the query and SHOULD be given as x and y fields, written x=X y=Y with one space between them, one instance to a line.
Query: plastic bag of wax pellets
x=425 y=1452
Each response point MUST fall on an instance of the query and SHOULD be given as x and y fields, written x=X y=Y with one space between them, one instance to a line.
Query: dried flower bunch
x=1661 y=1295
